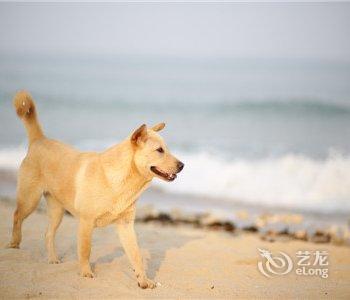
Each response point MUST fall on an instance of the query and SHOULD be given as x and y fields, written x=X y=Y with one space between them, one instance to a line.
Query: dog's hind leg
x=29 y=193
x=55 y=213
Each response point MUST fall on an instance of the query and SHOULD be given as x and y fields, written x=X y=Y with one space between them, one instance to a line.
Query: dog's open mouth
x=166 y=176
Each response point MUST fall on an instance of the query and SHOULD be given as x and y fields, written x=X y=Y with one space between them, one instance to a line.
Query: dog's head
x=152 y=157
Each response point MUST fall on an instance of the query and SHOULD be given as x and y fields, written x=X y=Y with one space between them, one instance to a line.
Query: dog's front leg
x=84 y=246
x=128 y=240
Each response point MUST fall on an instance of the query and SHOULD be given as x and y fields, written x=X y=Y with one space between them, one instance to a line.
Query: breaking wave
x=290 y=181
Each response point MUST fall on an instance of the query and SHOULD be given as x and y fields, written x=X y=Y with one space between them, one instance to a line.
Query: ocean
x=267 y=132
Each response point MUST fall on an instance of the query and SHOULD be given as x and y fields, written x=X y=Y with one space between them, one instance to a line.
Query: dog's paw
x=146 y=284
x=85 y=271
x=12 y=245
x=54 y=261
x=87 y=274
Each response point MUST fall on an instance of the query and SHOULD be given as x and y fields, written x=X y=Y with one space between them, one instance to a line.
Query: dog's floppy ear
x=139 y=135
x=158 y=127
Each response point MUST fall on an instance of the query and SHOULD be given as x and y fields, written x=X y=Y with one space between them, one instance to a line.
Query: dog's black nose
x=180 y=166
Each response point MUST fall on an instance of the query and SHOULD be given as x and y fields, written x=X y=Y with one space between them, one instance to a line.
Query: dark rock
x=209 y=220
x=226 y=226
x=316 y=233
x=274 y=228
x=165 y=218
x=246 y=225
x=215 y=222
x=161 y=217
x=145 y=212
x=320 y=237
x=186 y=218
x=300 y=235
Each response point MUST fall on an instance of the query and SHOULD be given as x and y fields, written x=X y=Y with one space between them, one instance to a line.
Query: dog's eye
x=160 y=150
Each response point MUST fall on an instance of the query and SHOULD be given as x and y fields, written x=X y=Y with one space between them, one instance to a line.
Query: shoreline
x=266 y=226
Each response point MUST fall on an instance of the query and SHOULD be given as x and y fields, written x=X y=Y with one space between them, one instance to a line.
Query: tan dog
x=97 y=188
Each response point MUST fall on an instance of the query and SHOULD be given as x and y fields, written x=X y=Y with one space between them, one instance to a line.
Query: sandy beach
x=188 y=262
x=227 y=121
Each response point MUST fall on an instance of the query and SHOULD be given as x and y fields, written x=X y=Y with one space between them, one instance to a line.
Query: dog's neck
x=120 y=169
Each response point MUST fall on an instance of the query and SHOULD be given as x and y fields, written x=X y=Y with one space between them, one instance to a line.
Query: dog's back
x=47 y=160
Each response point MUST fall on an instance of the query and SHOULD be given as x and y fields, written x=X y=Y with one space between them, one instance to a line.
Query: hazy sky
x=299 y=30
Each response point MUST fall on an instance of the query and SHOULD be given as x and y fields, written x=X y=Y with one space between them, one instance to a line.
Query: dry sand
x=188 y=262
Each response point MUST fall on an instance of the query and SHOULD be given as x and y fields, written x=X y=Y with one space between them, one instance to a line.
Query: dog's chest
x=124 y=200
x=106 y=219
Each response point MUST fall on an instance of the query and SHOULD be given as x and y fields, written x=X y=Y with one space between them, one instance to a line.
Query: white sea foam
x=291 y=181
x=10 y=158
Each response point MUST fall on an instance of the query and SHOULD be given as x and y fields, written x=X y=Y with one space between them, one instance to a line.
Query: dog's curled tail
x=25 y=109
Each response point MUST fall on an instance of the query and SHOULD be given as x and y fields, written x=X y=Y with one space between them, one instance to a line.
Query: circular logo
x=274 y=265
